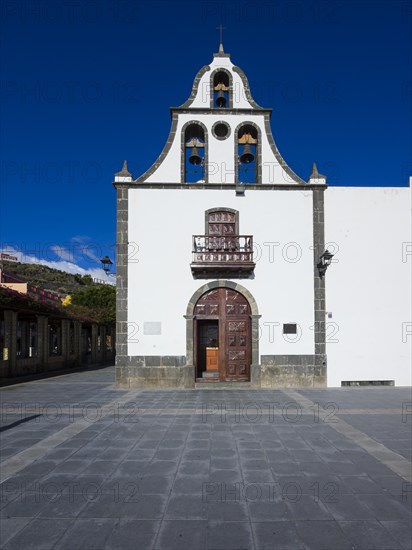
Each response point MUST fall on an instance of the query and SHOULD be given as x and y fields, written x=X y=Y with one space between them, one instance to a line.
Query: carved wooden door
x=236 y=326
x=232 y=311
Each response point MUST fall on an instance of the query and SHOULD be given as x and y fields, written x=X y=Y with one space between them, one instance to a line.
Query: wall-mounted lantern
x=107 y=264
x=324 y=262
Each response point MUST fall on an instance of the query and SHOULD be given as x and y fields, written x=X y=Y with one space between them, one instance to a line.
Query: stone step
x=217 y=385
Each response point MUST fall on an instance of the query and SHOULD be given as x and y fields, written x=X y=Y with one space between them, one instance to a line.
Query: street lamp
x=107 y=264
x=324 y=262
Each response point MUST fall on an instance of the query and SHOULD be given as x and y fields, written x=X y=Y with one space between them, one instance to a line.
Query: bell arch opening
x=221 y=84
x=194 y=153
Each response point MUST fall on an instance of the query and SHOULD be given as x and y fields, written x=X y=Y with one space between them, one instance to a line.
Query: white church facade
x=223 y=253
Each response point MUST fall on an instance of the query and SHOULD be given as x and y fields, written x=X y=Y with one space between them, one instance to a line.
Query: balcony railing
x=219 y=255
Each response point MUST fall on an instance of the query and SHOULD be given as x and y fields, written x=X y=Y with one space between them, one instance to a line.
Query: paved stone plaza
x=87 y=466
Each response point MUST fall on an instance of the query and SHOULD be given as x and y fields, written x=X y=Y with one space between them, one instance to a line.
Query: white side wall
x=161 y=225
x=368 y=285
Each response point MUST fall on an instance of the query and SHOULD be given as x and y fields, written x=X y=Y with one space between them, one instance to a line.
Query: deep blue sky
x=88 y=84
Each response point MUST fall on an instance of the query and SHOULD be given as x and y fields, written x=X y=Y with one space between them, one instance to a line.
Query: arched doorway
x=222 y=336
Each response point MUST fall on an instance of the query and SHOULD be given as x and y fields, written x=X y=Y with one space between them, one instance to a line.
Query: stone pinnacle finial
x=124 y=172
x=315 y=174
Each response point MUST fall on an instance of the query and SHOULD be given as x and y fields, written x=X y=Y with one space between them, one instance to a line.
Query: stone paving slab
x=102 y=468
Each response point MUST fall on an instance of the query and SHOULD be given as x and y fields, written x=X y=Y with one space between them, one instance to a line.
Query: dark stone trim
x=163 y=154
x=122 y=248
x=225 y=124
x=285 y=360
x=137 y=374
x=183 y=150
x=195 y=88
x=221 y=54
x=292 y=371
x=278 y=156
x=222 y=209
x=319 y=283
x=202 y=186
x=246 y=86
x=237 y=111
x=214 y=271
x=212 y=88
x=258 y=152
x=156 y=360
x=221 y=283
x=255 y=370
x=254 y=367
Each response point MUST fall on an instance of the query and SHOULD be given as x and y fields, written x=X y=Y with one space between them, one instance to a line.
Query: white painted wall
x=368 y=286
x=161 y=225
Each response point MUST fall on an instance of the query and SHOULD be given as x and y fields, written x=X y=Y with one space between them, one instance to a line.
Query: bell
x=221 y=100
x=195 y=158
x=247 y=156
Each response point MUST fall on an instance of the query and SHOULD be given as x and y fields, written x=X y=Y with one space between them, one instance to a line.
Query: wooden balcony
x=222 y=256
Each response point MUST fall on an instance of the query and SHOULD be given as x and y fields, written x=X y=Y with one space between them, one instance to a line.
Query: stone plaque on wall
x=152 y=328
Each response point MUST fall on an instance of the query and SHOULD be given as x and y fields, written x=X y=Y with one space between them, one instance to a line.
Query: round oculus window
x=221 y=130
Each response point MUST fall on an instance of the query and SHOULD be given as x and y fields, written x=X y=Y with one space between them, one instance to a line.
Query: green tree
x=87 y=280
x=100 y=298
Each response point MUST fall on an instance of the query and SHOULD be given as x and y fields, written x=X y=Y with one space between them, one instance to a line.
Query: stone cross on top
x=221 y=28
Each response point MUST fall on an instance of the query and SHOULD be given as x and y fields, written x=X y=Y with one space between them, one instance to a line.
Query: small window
x=289 y=328
x=221 y=130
